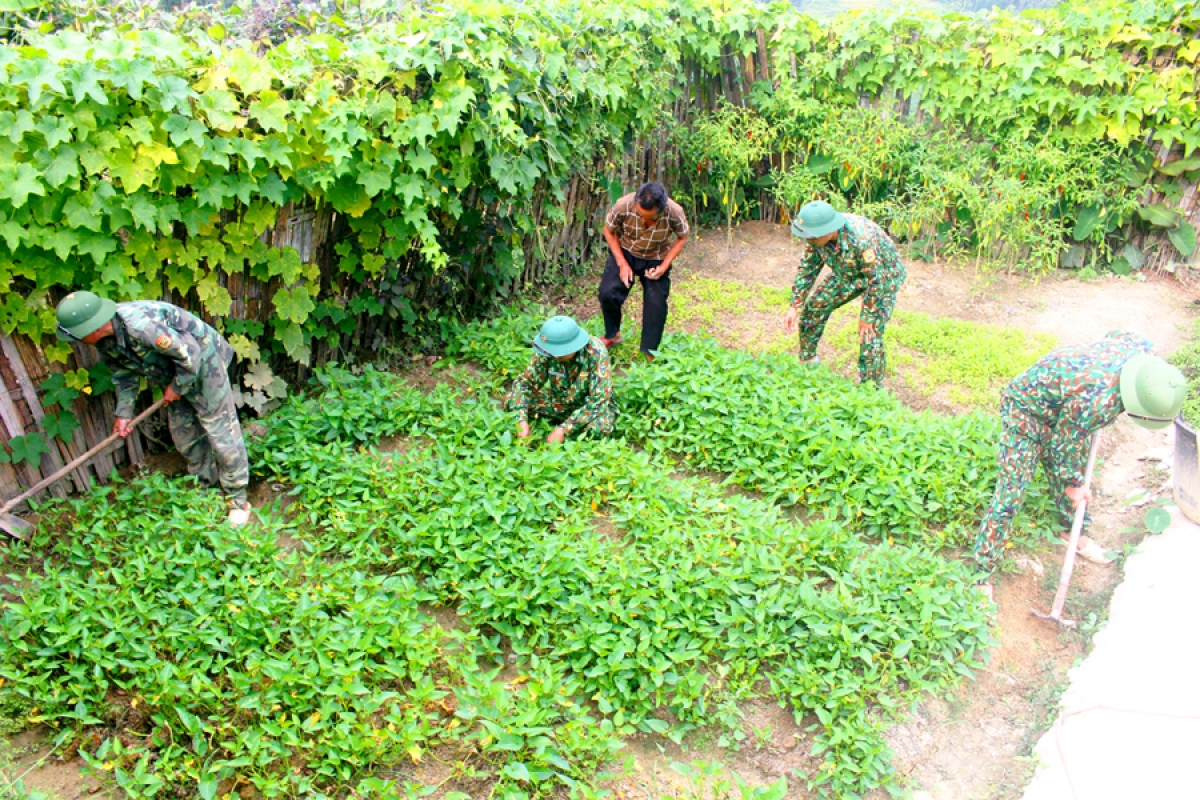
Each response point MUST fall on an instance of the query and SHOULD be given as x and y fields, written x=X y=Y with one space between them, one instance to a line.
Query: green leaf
x=61 y=426
x=5 y=458
x=285 y=263
x=1160 y=215
x=37 y=74
x=1184 y=238
x=293 y=342
x=28 y=448
x=1121 y=266
x=19 y=183
x=270 y=111
x=1087 y=222
x=819 y=164
x=132 y=170
x=375 y=180
x=63 y=168
x=215 y=297
x=295 y=304
x=208 y=784
x=56 y=392
x=174 y=94
x=1176 y=168
x=1133 y=256
x=100 y=378
x=1157 y=519
x=132 y=75
x=518 y=771
x=85 y=83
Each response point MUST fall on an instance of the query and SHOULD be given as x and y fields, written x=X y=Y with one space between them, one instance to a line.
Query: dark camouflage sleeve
x=806 y=274
x=128 y=383
x=182 y=348
x=1068 y=452
x=599 y=401
x=518 y=396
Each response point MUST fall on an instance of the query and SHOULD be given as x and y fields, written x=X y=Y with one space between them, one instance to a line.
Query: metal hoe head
x=15 y=526
x=1066 y=623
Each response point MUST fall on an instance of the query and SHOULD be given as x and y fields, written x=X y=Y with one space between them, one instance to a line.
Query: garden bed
x=357 y=510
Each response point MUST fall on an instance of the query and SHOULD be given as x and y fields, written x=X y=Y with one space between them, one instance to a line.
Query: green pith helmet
x=1152 y=391
x=81 y=314
x=560 y=336
x=815 y=220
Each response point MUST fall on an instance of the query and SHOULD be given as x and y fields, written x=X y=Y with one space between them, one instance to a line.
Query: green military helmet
x=81 y=314
x=1152 y=391
x=560 y=336
x=815 y=220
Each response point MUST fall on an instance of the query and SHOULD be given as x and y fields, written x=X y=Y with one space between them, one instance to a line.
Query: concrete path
x=1130 y=721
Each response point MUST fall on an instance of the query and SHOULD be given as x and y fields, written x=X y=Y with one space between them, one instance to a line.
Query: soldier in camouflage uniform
x=569 y=381
x=864 y=262
x=170 y=347
x=1050 y=411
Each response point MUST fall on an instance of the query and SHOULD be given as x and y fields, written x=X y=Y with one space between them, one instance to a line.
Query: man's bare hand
x=866 y=332
x=122 y=427
x=1079 y=494
x=657 y=272
x=789 y=320
x=170 y=395
x=522 y=430
x=556 y=436
x=626 y=273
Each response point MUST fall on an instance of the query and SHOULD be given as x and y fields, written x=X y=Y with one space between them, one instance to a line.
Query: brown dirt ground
x=973 y=742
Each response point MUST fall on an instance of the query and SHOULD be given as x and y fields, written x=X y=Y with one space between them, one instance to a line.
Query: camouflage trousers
x=205 y=428
x=1018 y=458
x=832 y=295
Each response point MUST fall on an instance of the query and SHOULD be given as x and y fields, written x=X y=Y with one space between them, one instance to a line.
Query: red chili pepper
x=1026 y=215
x=1022 y=177
x=1060 y=190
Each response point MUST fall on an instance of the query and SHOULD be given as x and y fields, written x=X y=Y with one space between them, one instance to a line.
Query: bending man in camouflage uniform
x=1049 y=413
x=569 y=381
x=864 y=262
x=173 y=349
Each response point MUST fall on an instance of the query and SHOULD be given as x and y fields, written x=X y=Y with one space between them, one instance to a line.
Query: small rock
x=1029 y=565
x=1156 y=454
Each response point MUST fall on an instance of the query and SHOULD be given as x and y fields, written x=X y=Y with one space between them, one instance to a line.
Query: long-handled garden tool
x=1064 y=580
x=14 y=525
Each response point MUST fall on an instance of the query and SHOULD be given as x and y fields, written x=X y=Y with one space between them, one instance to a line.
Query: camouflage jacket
x=1069 y=394
x=162 y=343
x=862 y=250
x=581 y=388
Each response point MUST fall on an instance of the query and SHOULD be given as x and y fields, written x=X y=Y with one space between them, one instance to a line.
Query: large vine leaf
x=1184 y=238
x=55 y=391
x=294 y=343
x=294 y=305
x=28 y=448
x=60 y=426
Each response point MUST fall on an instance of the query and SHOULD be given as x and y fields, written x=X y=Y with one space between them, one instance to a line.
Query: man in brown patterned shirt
x=645 y=231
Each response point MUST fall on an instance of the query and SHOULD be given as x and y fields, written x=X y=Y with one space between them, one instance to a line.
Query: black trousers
x=613 y=294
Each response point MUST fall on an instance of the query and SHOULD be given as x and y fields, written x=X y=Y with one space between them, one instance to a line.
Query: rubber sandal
x=613 y=342
x=239 y=516
x=1093 y=553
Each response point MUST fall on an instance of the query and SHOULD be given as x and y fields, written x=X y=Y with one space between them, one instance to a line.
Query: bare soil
x=974 y=742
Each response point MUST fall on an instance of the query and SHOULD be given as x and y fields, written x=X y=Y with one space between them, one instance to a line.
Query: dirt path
x=1072 y=310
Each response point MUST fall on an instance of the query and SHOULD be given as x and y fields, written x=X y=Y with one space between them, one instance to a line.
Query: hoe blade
x=14 y=526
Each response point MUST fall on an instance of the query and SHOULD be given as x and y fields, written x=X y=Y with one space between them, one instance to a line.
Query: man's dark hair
x=652 y=197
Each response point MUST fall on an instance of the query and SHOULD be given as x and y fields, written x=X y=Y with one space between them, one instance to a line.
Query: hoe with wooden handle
x=1064 y=580
x=14 y=525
